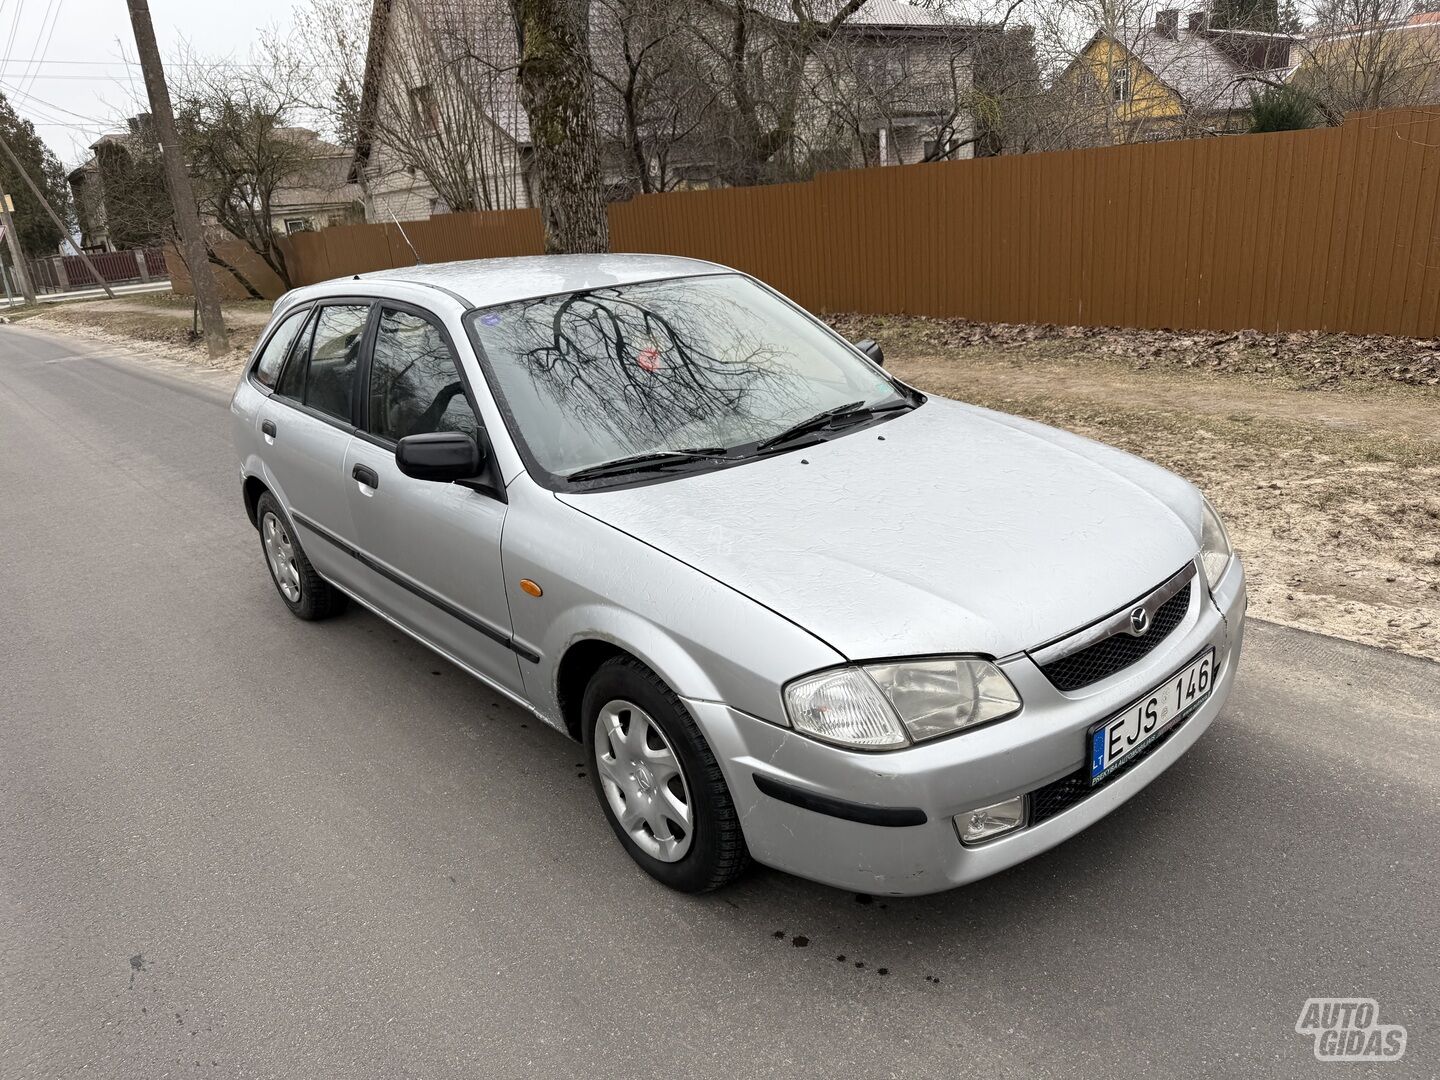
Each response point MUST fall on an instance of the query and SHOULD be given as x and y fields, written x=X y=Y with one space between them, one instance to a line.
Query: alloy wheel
x=281 y=553
x=643 y=781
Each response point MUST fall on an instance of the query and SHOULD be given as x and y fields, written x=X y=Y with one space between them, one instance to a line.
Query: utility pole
x=17 y=257
x=40 y=197
x=177 y=179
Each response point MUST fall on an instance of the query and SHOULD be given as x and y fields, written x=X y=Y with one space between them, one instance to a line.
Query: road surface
x=235 y=844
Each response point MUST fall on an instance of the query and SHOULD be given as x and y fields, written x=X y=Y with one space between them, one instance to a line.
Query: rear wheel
x=306 y=593
x=659 y=785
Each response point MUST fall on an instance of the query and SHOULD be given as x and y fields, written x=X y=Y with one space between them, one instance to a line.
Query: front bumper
x=1045 y=743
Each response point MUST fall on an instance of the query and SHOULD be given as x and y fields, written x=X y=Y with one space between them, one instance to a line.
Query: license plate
x=1125 y=734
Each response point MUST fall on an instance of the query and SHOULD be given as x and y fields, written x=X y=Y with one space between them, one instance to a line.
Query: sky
x=68 y=66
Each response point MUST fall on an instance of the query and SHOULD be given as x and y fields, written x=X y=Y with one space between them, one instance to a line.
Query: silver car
x=796 y=610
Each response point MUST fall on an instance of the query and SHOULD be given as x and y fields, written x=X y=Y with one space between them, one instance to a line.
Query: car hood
x=947 y=529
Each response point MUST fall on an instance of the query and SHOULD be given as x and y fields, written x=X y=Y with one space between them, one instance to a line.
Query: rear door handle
x=366 y=475
x=267 y=427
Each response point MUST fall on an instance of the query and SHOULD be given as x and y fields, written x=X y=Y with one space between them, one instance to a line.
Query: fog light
x=988 y=822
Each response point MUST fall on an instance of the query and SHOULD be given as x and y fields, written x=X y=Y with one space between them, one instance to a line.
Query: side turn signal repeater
x=529 y=588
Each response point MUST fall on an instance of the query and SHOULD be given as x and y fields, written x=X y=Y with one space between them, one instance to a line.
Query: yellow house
x=1132 y=84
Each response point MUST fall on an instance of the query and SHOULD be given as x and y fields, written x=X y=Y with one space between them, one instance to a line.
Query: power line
x=9 y=90
x=23 y=59
x=14 y=26
x=53 y=12
x=173 y=64
x=98 y=77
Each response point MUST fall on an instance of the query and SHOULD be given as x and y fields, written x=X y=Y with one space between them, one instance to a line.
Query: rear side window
x=267 y=369
x=292 y=379
x=334 y=358
x=415 y=385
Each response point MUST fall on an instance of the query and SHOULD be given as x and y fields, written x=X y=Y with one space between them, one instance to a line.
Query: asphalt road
x=235 y=844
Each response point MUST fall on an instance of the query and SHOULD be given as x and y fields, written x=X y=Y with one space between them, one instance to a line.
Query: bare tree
x=650 y=105
x=904 y=94
x=762 y=56
x=239 y=132
x=131 y=175
x=1367 y=54
x=448 y=106
x=439 y=124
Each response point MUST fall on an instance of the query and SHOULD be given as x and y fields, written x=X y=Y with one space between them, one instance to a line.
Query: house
x=319 y=195
x=441 y=124
x=1388 y=64
x=121 y=201
x=440 y=120
x=88 y=198
x=119 y=192
x=901 y=78
x=1169 y=79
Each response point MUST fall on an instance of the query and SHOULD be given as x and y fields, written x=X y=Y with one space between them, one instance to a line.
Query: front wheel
x=659 y=785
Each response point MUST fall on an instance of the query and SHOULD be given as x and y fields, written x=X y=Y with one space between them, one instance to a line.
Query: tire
x=305 y=593
x=712 y=853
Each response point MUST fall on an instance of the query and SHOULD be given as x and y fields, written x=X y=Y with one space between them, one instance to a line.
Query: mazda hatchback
x=795 y=610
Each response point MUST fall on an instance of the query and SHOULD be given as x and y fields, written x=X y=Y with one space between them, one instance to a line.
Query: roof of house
x=873 y=13
x=1202 y=66
x=325 y=180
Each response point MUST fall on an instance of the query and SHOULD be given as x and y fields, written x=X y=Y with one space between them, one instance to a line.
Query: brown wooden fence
x=1329 y=229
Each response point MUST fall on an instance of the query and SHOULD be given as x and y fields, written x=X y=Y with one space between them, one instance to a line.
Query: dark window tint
x=414 y=384
x=292 y=379
x=334 y=358
x=273 y=355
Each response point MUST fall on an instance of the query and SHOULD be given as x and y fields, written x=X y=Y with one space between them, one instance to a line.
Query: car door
x=307 y=425
x=432 y=550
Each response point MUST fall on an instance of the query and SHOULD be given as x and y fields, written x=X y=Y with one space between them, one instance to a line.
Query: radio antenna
x=418 y=260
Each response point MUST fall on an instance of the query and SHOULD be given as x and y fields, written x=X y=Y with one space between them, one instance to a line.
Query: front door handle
x=267 y=427
x=366 y=475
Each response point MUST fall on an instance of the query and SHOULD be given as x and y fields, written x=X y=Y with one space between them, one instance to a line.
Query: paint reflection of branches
x=642 y=375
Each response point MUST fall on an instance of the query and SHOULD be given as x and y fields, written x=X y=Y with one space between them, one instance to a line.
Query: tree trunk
x=556 y=92
x=182 y=195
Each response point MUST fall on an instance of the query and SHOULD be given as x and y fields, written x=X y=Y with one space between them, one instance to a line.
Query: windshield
x=714 y=362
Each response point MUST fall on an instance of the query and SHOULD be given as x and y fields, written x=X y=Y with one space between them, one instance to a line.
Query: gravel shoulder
x=154 y=325
x=1321 y=453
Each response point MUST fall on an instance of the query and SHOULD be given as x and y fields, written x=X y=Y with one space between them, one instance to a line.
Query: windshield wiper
x=826 y=419
x=655 y=459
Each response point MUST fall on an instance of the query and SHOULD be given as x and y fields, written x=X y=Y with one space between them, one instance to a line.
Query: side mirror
x=442 y=456
x=871 y=348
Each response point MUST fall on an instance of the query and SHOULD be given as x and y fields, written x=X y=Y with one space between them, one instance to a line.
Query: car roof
x=483 y=282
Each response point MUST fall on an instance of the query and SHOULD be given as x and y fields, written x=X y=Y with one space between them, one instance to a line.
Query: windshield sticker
x=491 y=319
x=649 y=359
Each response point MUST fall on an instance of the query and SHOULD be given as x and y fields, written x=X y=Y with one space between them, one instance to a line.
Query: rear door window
x=292 y=379
x=267 y=368
x=323 y=376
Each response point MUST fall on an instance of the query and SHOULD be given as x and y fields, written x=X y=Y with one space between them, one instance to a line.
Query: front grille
x=1064 y=793
x=1119 y=651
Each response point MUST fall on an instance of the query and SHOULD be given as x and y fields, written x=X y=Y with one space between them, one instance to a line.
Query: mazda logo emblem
x=1139 y=621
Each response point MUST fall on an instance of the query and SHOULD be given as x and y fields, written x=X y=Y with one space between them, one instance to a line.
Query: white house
x=440 y=111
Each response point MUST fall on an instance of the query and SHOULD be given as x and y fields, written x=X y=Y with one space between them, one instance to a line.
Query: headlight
x=883 y=706
x=1215 y=550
